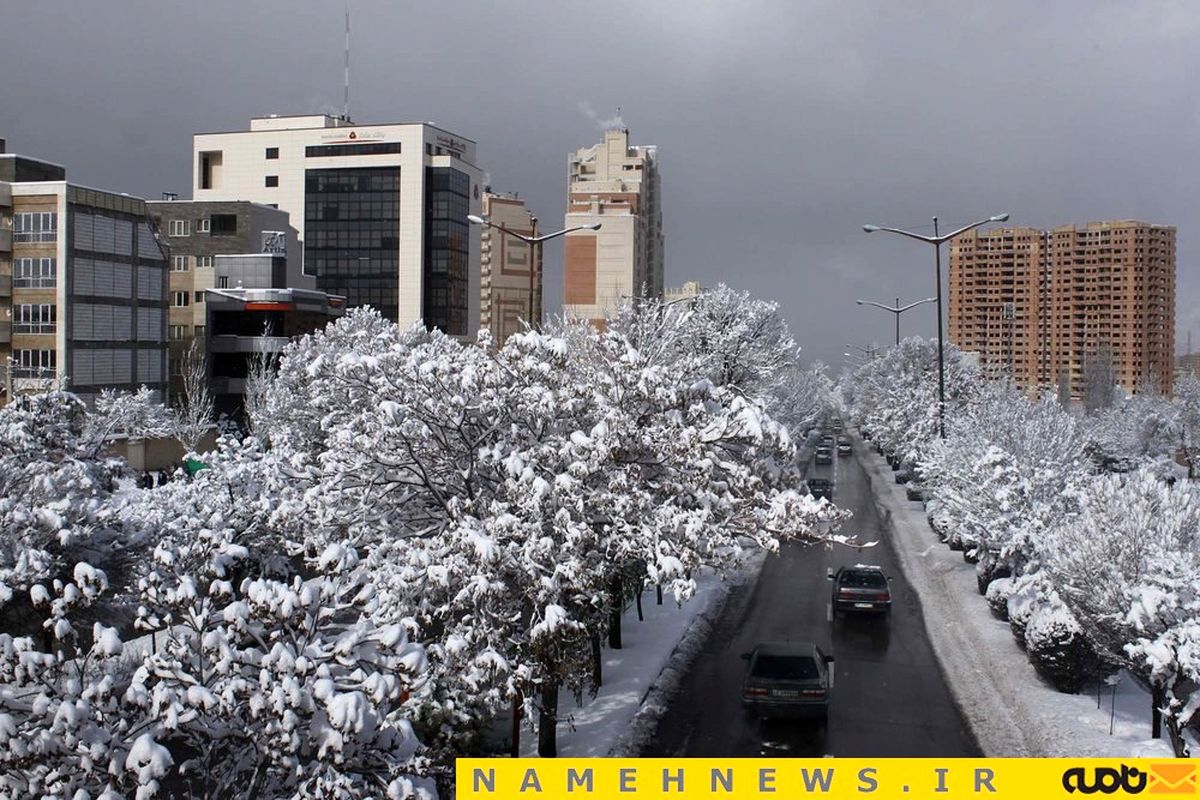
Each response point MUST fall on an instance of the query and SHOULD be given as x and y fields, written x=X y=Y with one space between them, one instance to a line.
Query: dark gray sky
x=781 y=126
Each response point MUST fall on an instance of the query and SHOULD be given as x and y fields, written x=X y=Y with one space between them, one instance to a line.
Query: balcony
x=5 y=286
x=5 y=240
x=5 y=332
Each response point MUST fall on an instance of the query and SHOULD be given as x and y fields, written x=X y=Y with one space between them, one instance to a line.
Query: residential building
x=681 y=294
x=617 y=185
x=82 y=285
x=380 y=210
x=255 y=312
x=1041 y=304
x=196 y=232
x=510 y=269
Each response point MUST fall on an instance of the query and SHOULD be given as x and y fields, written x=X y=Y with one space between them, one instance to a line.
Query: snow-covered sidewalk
x=639 y=677
x=1010 y=709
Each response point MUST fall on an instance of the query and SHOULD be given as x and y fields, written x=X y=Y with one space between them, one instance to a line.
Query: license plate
x=784 y=693
x=864 y=605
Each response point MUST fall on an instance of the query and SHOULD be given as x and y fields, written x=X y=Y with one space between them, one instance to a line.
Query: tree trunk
x=641 y=618
x=548 y=720
x=658 y=594
x=1157 y=698
x=515 y=751
x=617 y=598
x=597 y=661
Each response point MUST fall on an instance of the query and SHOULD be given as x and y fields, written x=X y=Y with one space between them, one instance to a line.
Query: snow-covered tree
x=1142 y=431
x=137 y=415
x=194 y=410
x=1128 y=566
x=1187 y=416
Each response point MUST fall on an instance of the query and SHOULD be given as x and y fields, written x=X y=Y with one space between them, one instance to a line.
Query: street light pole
x=896 y=309
x=937 y=240
x=535 y=247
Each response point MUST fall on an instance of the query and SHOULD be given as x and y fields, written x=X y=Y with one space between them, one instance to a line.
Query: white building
x=381 y=210
x=618 y=186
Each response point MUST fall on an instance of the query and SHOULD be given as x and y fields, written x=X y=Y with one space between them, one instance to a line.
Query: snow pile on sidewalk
x=1010 y=709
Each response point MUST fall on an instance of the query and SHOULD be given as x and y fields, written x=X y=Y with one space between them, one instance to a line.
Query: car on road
x=827 y=440
x=904 y=475
x=837 y=426
x=824 y=455
x=820 y=487
x=787 y=679
x=862 y=588
x=844 y=448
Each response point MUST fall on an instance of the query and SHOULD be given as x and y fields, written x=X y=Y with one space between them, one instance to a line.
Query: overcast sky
x=781 y=126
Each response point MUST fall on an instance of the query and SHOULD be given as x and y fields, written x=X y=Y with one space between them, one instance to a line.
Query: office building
x=254 y=311
x=510 y=269
x=82 y=285
x=197 y=231
x=617 y=185
x=688 y=292
x=380 y=210
x=1041 y=304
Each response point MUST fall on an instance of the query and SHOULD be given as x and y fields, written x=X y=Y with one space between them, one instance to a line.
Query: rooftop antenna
x=346 y=86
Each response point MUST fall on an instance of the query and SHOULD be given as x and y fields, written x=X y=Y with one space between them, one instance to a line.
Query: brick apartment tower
x=510 y=278
x=618 y=186
x=1041 y=304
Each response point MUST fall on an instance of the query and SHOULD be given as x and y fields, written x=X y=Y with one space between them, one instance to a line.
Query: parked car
x=844 y=448
x=787 y=679
x=915 y=491
x=820 y=487
x=904 y=475
x=860 y=588
x=824 y=455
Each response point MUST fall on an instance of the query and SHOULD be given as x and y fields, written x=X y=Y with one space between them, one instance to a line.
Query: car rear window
x=785 y=668
x=864 y=579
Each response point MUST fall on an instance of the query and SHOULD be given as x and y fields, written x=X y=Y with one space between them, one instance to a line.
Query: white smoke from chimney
x=612 y=123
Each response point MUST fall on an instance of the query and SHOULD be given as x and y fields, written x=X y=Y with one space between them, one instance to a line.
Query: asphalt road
x=889 y=697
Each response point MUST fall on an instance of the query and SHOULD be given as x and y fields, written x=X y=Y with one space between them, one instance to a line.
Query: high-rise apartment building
x=1041 y=304
x=617 y=185
x=381 y=210
x=511 y=270
x=82 y=285
x=196 y=232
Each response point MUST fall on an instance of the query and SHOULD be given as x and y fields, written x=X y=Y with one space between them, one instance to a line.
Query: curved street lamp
x=535 y=246
x=937 y=240
x=897 y=309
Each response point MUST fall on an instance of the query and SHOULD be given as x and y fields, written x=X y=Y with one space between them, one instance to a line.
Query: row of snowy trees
x=1084 y=540
x=418 y=534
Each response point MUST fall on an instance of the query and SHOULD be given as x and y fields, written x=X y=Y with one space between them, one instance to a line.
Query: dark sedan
x=862 y=587
x=787 y=679
x=820 y=487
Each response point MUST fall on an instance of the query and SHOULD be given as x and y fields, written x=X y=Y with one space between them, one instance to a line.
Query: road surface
x=889 y=697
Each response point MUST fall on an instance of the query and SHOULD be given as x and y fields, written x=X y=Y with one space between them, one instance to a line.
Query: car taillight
x=753 y=692
x=884 y=597
x=845 y=593
x=812 y=693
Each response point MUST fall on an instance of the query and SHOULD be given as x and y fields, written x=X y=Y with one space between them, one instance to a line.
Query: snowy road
x=889 y=696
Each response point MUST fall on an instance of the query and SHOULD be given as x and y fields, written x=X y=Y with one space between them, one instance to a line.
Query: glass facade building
x=447 y=249
x=352 y=234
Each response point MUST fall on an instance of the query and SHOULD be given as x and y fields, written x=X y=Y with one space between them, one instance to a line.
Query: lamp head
x=593 y=227
x=478 y=220
x=999 y=218
x=870 y=228
x=858 y=302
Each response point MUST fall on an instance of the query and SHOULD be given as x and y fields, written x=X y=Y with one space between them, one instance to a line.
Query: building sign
x=353 y=136
x=450 y=143
x=274 y=242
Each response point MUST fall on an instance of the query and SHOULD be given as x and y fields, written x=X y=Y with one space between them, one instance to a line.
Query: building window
x=180 y=299
x=223 y=282
x=29 y=318
x=203 y=226
x=271 y=181
x=35 y=363
x=176 y=367
x=35 y=226
x=179 y=263
x=224 y=224
x=199 y=331
x=178 y=332
x=35 y=273
x=199 y=297
x=180 y=227
x=272 y=152
x=365 y=149
x=204 y=262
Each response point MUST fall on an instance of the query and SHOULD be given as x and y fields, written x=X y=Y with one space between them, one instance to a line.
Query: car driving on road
x=860 y=588
x=820 y=487
x=843 y=447
x=824 y=455
x=787 y=679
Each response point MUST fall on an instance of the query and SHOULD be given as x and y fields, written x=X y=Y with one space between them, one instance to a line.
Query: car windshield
x=864 y=579
x=785 y=668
